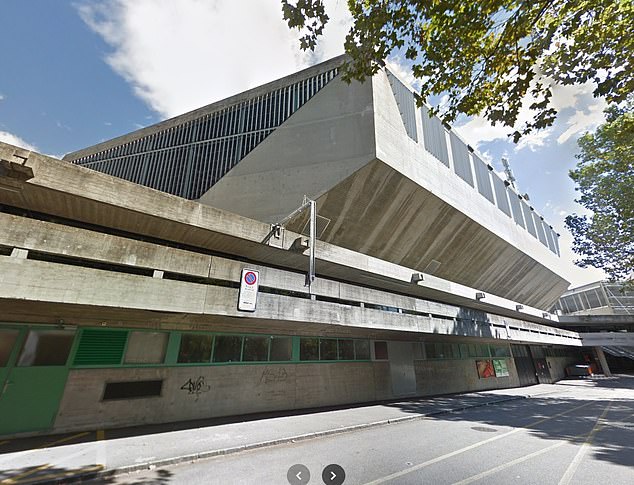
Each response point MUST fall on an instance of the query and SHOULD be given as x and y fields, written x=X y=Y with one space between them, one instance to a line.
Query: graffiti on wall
x=270 y=376
x=195 y=387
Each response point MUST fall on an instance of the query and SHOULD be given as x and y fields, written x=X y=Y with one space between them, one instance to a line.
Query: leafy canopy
x=488 y=55
x=605 y=178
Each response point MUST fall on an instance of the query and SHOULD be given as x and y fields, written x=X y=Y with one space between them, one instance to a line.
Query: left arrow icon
x=298 y=475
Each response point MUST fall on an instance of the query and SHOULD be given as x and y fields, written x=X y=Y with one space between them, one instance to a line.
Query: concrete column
x=603 y=361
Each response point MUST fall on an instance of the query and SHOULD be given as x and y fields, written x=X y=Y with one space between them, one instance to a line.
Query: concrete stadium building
x=121 y=272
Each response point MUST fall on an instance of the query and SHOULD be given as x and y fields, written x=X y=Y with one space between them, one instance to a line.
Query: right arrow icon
x=333 y=475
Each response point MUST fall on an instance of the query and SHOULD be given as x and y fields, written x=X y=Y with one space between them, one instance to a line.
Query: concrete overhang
x=74 y=193
x=607 y=339
x=380 y=193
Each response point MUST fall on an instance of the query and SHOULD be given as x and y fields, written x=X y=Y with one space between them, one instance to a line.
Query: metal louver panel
x=500 y=195
x=461 y=160
x=101 y=347
x=484 y=179
x=188 y=158
x=434 y=136
x=406 y=105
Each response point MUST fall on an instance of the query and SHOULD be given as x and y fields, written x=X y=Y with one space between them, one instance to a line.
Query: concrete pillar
x=603 y=361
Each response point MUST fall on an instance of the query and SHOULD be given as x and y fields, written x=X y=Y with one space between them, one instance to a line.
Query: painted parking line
x=20 y=478
x=52 y=476
x=64 y=440
x=574 y=464
x=472 y=447
x=17 y=478
x=504 y=466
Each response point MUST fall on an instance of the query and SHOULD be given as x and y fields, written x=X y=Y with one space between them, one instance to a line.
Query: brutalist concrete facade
x=389 y=180
x=91 y=265
x=116 y=298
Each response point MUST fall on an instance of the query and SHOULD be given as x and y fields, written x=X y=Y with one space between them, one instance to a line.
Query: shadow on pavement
x=561 y=418
x=47 y=474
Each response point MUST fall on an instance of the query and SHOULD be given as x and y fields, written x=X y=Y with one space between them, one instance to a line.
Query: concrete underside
x=111 y=205
x=380 y=212
x=382 y=194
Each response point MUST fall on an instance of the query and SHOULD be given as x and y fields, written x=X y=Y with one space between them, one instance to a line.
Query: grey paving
x=142 y=451
x=582 y=433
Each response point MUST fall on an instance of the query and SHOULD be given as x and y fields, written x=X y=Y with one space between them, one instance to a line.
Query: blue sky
x=79 y=72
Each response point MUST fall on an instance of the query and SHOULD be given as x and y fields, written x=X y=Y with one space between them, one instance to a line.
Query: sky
x=75 y=73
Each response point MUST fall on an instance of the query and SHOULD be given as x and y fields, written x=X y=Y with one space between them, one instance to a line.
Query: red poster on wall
x=485 y=368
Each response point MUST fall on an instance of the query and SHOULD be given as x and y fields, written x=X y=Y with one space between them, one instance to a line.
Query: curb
x=263 y=444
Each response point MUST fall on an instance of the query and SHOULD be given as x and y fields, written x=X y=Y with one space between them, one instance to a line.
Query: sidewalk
x=110 y=456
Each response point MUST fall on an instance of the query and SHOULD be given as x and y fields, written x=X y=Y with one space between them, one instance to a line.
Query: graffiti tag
x=269 y=375
x=196 y=387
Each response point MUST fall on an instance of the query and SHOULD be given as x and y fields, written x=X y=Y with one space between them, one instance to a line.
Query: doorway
x=33 y=373
x=402 y=368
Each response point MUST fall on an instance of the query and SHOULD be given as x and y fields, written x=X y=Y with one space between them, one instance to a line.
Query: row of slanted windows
x=107 y=347
x=114 y=347
x=443 y=350
x=187 y=159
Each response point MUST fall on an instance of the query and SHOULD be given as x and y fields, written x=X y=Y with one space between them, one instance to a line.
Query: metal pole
x=313 y=232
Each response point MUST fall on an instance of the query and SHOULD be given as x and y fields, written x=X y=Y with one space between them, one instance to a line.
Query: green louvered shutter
x=101 y=347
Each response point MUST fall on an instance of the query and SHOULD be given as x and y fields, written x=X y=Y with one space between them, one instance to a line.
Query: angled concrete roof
x=75 y=193
x=355 y=150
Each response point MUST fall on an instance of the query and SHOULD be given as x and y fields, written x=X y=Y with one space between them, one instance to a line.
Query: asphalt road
x=583 y=433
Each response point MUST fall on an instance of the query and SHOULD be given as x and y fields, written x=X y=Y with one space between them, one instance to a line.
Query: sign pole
x=313 y=231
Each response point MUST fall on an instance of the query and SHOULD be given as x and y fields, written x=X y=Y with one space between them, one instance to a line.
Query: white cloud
x=577 y=276
x=567 y=269
x=477 y=130
x=12 y=139
x=534 y=140
x=2 y=97
x=582 y=121
x=399 y=66
x=578 y=111
x=179 y=56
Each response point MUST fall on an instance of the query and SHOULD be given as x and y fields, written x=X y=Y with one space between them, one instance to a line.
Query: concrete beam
x=39 y=281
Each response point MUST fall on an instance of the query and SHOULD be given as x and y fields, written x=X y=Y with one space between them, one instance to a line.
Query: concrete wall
x=225 y=390
x=41 y=281
x=557 y=366
x=326 y=140
x=458 y=375
x=230 y=390
x=76 y=193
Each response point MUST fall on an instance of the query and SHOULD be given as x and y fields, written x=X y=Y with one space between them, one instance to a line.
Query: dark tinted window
x=328 y=349
x=380 y=350
x=195 y=348
x=256 y=349
x=362 y=349
x=309 y=349
x=7 y=339
x=227 y=348
x=281 y=348
x=46 y=347
x=346 y=350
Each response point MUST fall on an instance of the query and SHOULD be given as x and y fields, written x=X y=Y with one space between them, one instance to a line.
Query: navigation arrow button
x=298 y=474
x=333 y=475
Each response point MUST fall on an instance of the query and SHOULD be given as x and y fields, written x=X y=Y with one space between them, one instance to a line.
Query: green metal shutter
x=101 y=347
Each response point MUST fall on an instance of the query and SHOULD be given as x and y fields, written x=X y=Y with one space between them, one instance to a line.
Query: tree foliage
x=489 y=56
x=605 y=179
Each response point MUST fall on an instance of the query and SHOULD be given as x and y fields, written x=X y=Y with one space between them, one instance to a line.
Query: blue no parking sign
x=249 y=284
